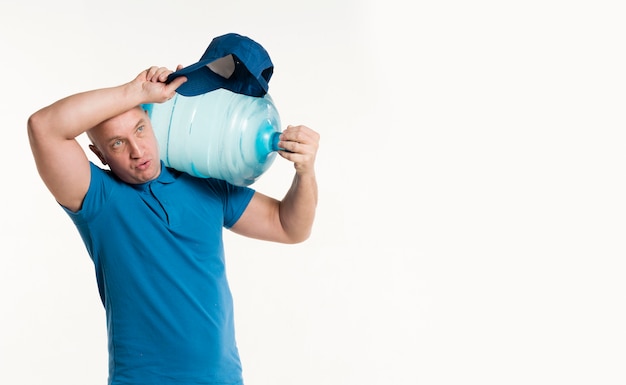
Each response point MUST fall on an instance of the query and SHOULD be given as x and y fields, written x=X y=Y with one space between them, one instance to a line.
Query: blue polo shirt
x=159 y=259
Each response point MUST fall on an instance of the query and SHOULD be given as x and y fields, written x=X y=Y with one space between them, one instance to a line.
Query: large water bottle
x=220 y=134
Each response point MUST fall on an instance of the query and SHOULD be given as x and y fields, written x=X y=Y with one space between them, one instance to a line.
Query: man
x=154 y=234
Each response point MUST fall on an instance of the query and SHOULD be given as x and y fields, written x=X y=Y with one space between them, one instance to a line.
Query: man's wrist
x=133 y=94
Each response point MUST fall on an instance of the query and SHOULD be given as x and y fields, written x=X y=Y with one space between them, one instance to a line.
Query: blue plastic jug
x=220 y=134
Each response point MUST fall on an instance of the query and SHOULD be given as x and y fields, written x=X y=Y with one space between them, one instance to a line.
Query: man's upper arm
x=260 y=220
x=62 y=164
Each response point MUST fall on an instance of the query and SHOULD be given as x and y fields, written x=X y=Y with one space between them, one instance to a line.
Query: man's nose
x=136 y=150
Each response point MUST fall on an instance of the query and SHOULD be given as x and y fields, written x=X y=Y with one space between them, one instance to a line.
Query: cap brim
x=200 y=80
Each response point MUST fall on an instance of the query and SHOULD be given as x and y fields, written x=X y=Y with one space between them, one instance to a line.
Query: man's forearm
x=75 y=114
x=297 y=209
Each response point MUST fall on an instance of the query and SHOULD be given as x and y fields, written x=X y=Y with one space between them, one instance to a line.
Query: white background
x=472 y=208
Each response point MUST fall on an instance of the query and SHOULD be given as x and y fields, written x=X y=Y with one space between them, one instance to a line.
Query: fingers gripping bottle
x=219 y=134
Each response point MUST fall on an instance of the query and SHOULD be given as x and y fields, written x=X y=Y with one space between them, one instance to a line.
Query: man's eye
x=117 y=144
x=140 y=129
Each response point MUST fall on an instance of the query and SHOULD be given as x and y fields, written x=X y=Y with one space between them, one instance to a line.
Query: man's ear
x=95 y=150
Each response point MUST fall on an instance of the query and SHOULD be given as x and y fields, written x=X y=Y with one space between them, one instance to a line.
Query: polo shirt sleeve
x=100 y=187
x=235 y=199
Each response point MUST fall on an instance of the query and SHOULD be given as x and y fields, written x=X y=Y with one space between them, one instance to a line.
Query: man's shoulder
x=105 y=172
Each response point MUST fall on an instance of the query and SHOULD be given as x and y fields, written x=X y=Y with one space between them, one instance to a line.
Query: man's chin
x=141 y=177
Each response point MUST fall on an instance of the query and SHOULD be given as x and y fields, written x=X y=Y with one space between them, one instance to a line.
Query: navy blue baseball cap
x=234 y=62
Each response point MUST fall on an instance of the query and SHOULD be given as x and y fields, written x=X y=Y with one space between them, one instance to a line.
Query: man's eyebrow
x=111 y=139
x=140 y=122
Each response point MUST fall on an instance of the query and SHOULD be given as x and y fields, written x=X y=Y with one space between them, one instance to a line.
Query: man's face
x=128 y=145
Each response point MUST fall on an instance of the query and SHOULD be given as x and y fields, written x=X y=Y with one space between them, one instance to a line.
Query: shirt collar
x=167 y=175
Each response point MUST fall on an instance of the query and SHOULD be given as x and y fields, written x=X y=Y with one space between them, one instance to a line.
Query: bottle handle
x=274 y=140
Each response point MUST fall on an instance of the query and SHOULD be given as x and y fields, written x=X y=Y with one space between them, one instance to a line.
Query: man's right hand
x=151 y=83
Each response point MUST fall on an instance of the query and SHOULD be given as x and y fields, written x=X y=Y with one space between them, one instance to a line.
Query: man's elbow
x=35 y=126
x=298 y=237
